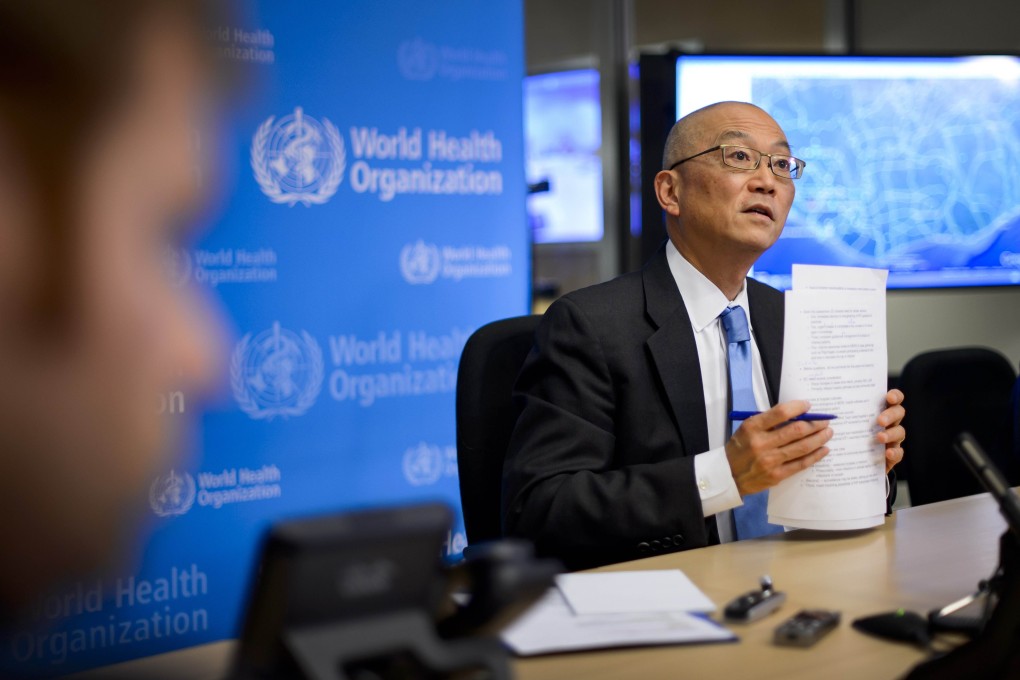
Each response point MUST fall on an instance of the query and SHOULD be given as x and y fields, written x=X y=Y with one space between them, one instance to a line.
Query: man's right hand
x=767 y=448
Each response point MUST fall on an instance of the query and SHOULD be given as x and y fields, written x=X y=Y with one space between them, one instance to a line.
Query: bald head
x=687 y=137
x=722 y=215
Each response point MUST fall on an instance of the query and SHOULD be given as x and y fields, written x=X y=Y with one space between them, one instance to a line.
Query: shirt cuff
x=716 y=486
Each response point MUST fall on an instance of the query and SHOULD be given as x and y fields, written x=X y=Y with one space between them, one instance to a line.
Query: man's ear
x=667 y=185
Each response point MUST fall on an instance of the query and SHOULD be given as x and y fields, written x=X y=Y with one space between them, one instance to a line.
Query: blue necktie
x=749 y=519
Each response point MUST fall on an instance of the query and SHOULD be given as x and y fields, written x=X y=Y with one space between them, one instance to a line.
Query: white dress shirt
x=705 y=302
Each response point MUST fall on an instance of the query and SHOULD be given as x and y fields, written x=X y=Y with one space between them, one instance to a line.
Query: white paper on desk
x=618 y=592
x=835 y=356
x=551 y=626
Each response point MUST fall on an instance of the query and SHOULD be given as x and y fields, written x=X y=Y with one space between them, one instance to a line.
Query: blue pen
x=744 y=415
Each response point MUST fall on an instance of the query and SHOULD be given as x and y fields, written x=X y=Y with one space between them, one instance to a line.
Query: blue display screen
x=913 y=163
x=563 y=140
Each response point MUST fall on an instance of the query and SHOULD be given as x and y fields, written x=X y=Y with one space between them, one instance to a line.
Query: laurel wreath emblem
x=157 y=488
x=409 y=263
x=177 y=265
x=423 y=456
x=271 y=186
x=247 y=400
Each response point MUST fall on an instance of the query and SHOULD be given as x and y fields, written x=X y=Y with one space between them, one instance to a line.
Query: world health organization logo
x=419 y=262
x=418 y=59
x=172 y=494
x=423 y=464
x=177 y=265
x=276 y=373
x=297 y=159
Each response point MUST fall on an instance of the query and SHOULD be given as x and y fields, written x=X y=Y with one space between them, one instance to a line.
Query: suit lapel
x=675 y=354
x=767 y=310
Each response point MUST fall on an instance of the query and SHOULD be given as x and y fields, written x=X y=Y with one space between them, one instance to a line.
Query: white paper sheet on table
x=551 y=626
x=835 y=356
x=621 y=592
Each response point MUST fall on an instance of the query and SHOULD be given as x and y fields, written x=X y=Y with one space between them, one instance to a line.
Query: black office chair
x=1015 y=414
x=947 y=392
x=489 y=365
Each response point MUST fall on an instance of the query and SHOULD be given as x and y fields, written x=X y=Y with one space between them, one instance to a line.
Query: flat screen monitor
x=562 y=145
x=913 y=163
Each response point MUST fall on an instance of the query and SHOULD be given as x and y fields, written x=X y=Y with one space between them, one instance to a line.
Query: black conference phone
x=366 y=595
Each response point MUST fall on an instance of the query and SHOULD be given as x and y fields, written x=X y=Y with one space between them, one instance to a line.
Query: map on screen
x=913 y=164
x=562 y=146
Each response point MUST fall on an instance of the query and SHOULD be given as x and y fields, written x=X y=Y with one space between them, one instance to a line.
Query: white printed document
x=631 y=592
x=835 y=356
x=551 y=626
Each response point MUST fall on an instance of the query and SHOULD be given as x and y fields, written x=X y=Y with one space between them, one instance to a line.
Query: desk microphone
x=912 y=627
x=990 y=477
x=899 y=625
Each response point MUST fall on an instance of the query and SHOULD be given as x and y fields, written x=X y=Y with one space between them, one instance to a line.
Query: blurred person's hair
x=64 y=66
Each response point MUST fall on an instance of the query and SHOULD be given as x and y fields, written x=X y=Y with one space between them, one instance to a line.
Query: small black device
x=901 y=625
x=755 y=604
x=805 y=628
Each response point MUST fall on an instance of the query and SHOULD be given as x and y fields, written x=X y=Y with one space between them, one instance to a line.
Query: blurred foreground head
x=102 y=108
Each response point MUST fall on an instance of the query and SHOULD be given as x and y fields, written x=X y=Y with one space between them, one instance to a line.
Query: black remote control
x=806 y=627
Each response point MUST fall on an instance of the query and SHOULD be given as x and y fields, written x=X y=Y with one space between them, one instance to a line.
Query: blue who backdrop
x=375 y=219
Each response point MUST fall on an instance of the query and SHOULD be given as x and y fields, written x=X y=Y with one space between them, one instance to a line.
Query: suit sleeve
x=564 y=485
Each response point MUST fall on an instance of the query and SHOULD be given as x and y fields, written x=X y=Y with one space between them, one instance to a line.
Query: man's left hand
x=893 y=434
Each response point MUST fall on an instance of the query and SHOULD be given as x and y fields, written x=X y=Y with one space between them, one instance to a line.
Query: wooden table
x=920 y=559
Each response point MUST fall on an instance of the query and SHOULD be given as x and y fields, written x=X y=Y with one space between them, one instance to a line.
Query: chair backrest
x=486 y=415
x=1015 y=415
x=947 y=392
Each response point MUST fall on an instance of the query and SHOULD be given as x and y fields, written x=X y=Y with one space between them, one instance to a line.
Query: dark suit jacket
x=600 y=467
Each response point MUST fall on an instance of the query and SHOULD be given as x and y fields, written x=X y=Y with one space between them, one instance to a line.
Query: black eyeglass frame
x=798 y=163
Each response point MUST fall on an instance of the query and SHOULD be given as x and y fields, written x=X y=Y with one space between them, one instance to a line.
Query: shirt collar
x=704 y=301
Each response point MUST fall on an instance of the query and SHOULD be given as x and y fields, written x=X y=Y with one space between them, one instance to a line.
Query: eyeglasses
x=744 y=158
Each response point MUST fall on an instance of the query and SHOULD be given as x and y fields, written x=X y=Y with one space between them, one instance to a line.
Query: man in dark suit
x=622 y=448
